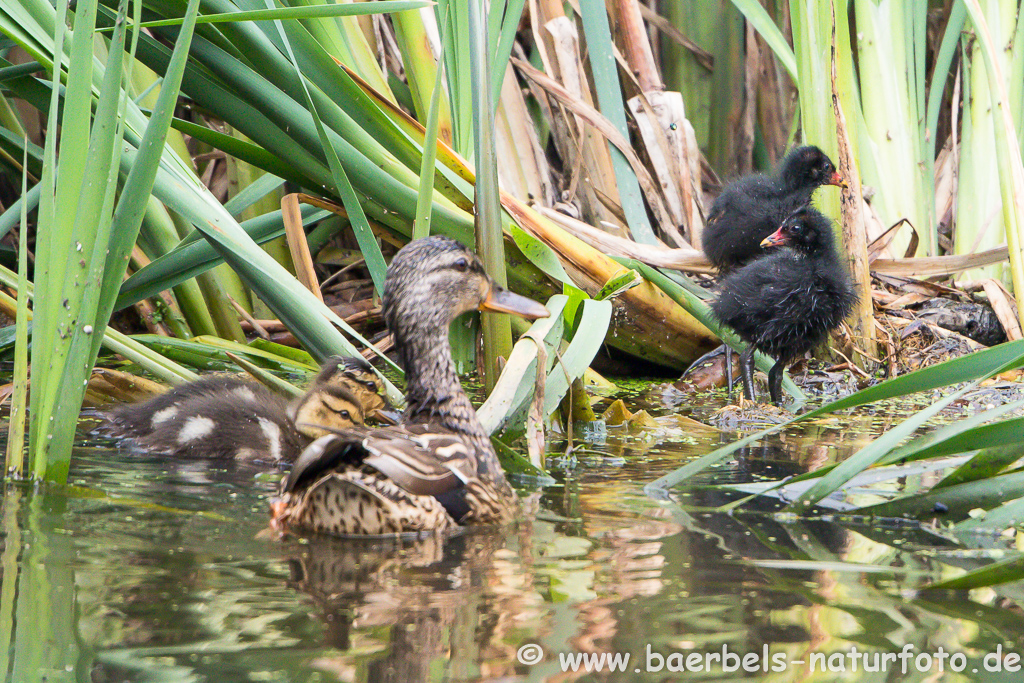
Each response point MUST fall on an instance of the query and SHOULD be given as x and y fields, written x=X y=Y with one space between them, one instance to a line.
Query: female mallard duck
x=226 y=417
x=437 y=468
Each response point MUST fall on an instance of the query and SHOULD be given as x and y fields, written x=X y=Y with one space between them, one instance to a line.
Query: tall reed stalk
x=83 y=236
x=496 y=329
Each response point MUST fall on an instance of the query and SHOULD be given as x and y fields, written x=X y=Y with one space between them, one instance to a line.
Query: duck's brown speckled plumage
x=437 y=469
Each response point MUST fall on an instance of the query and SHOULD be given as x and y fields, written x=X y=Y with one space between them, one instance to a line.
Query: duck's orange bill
x=776 y=239
x=837 y=179
x=503 y=301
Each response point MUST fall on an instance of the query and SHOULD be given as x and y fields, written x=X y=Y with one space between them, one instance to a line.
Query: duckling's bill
x=838 y=180
x=503 y=301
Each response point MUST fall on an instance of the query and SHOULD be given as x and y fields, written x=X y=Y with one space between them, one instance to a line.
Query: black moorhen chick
x=786 y=302
x=752 y=207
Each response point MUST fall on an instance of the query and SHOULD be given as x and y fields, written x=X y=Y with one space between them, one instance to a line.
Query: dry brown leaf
x=661 y=121
x=908 y=299
x=297 y=245
x=245 y=316
x=881 y=243
x=945 y=184
x=873 y=228
x=605 y=127
x=106 y=385
x=905 y=285
x=854 y=237
x=145 y=308
x=535 y=418
x=883 y=297
x=616 y=414
x=133 y=384
x=637 y=44
x=527 y=174
x=583 y=148
x=940 y=332
x=931 y=266
x=689 y=260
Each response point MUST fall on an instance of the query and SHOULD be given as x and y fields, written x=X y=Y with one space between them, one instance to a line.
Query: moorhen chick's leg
x=747 y=373
x=775 y=380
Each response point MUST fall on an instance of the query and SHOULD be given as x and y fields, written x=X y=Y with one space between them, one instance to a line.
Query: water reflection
x=155 y=572
x=395 y=611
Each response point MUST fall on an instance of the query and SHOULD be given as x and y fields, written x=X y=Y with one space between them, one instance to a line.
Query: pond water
x=145 y=570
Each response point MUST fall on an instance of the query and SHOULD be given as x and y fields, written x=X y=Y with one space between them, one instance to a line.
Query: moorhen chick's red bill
x=751 y=208
x=786 y=302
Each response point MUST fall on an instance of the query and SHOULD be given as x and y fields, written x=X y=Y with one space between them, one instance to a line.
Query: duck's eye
x=370 y=384
x=796 y=228
x=345 y=414
x=461 y=264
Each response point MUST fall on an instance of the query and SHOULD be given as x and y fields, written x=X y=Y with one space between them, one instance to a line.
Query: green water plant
x=271 y=80
x=85 y=232
x=976 y=454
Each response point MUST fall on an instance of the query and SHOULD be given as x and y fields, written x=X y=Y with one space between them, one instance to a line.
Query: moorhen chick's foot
x=752 y=207
x=787 y=302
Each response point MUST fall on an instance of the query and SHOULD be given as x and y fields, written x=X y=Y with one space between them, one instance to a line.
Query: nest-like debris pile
x=924 y=323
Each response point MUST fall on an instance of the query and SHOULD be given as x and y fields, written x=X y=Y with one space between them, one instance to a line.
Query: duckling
x=259 y=425
x=356 y=375
x=224 y=416
x=138 y=419
x=325 y=406
x=437 y=469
